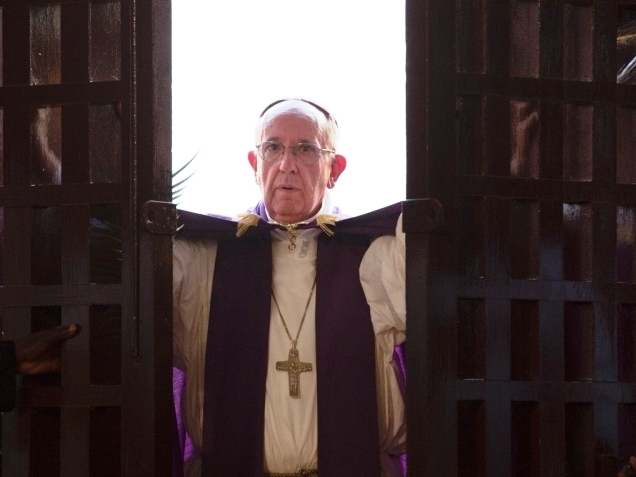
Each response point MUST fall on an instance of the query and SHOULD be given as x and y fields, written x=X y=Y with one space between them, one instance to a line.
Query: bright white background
x=231 y=59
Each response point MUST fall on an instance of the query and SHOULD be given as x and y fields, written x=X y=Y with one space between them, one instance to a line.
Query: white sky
x=231 y=59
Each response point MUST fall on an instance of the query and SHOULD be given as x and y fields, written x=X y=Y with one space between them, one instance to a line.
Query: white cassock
x=291 y=440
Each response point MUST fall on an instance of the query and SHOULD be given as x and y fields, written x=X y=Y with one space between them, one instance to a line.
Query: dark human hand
x=630 y=469
x=40 y=352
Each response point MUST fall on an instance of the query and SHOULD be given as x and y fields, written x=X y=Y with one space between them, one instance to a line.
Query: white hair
x=326 y=122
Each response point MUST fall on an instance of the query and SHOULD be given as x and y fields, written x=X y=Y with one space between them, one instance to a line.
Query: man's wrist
x=8 y=369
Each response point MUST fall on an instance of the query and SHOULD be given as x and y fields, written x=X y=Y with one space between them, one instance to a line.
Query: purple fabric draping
x=192 y=225
x=178 y=432
x=399 y=356
x=346 y=377
x=236 y=357
x=185 y=443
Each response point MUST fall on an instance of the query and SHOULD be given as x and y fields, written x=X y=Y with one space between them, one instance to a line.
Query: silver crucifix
x=294 y=367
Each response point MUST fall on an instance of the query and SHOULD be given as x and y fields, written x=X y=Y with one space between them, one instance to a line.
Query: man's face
x=292 y=191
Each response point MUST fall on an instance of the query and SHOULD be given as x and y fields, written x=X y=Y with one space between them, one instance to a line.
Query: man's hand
x=630 y=469
x=40 y=352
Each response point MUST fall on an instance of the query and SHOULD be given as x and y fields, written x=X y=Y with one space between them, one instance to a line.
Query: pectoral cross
x=294 y=367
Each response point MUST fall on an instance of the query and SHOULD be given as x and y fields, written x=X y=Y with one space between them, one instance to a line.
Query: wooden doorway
x=521 y=324
x=85 y=112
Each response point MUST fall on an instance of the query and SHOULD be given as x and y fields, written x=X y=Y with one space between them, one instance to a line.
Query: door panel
x=521 y=304
x=85 y=142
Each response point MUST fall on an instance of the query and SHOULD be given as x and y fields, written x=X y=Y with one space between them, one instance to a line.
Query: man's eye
x=272 y=147
x=304 y=148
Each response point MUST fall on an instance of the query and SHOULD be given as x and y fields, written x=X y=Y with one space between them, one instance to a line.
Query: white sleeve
x=382 y=274
x=180 y=259
x=193 y=272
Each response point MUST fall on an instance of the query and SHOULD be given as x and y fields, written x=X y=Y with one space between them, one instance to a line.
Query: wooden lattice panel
x=527 y=340
x=69 y=244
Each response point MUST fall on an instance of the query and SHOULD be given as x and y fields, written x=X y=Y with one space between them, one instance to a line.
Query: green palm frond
x=106 y=232
x=179 y=183
x=628 y=74
x=626 y=45
x=627 y=33
x=105 y=238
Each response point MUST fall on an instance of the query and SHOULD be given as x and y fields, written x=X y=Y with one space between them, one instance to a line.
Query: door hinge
x=159 y=217
x=421 y=215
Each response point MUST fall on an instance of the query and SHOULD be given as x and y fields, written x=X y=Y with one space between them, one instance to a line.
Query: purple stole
x=237 y=348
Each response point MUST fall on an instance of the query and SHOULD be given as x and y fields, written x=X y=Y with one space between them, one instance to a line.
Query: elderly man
x=286 y=321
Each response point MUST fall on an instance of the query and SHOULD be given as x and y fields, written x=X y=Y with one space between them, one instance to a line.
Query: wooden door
x=85 y=122
x=522 y=305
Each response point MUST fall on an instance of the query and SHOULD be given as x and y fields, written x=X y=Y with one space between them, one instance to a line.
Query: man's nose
x=288 y=160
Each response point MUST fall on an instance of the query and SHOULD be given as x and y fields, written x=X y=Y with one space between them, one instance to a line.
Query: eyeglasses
x=304 y=152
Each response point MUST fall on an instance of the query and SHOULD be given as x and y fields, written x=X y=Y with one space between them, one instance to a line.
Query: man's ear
x=253 y=160
x=338 y=165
